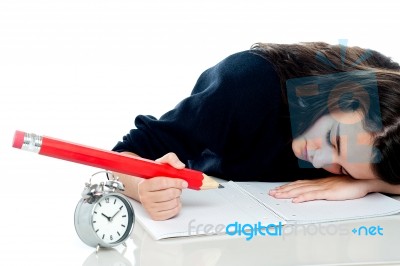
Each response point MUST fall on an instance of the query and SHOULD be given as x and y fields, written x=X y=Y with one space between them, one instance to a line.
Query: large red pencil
x=109 y=160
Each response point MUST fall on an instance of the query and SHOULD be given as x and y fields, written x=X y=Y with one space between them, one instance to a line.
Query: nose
x=325 y=158
x=321 y=157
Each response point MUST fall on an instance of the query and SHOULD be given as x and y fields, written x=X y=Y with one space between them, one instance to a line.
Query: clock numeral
x=107 y=200
x=111 y=237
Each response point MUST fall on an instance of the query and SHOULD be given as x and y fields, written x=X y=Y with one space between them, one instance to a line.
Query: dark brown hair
x=317 y=59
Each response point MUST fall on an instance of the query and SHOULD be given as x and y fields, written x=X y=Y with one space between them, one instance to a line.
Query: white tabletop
x=39 y=245
x=304 y=249
x=37 y=228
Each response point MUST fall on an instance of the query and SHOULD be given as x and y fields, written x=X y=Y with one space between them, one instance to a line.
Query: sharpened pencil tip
x=220 y=186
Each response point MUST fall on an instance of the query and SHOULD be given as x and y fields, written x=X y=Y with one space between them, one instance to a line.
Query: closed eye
x=328 y=138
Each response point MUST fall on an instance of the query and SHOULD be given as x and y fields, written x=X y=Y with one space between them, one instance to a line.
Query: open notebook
x=249 y=203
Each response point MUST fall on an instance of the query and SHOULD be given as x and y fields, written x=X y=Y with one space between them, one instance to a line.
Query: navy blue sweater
x=234 y=125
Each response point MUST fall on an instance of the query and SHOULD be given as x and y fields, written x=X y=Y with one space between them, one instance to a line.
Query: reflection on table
x=303 y=246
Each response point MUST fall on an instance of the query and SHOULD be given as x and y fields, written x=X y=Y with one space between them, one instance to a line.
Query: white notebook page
x=372 y=205
x=249 y=203
x=215 y=206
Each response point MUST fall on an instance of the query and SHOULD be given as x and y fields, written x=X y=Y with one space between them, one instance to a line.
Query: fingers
x=171 y=159
x=293 y=192
x=288 y=187
x=294 y=184
x=311 y=195
x=160 y=183
x=160 y=196
x=164 y=210
x=301 y=191
x=164 y=215
x=328 y=188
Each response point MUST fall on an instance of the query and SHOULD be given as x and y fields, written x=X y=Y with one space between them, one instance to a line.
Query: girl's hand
x=160 y=196
x=329 y=188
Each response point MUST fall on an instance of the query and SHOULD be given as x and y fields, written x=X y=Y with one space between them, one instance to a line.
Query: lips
x=301 y=152
x=304 y=153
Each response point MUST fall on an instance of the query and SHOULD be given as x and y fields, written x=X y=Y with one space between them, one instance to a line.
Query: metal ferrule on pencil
x=32 y=142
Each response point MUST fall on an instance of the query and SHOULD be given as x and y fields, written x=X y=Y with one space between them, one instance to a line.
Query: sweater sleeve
x=224 y=110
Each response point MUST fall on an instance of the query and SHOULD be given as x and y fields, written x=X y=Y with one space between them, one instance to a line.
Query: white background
x=81 y=70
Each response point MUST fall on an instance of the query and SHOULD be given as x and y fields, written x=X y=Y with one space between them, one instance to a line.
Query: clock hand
x=108 y=218
x=114 y=215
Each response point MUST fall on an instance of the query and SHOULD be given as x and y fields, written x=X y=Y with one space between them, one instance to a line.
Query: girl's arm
x=332 y=188
x=160 y=196
x=377 y=185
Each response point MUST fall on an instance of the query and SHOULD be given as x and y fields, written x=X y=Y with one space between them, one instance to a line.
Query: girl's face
x=338 y=143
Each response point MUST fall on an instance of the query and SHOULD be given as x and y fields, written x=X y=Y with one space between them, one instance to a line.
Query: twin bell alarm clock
x=104 y=217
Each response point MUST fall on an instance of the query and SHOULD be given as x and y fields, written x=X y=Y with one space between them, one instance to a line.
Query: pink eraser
x=18 y=139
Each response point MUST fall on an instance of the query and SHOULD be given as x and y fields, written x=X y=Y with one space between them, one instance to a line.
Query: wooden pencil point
x=209 y=183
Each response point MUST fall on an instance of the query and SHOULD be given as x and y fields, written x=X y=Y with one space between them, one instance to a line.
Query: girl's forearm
x=130 y=182
x=377 y=185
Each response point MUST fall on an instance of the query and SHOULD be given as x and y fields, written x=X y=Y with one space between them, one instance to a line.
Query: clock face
x=112 y=219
